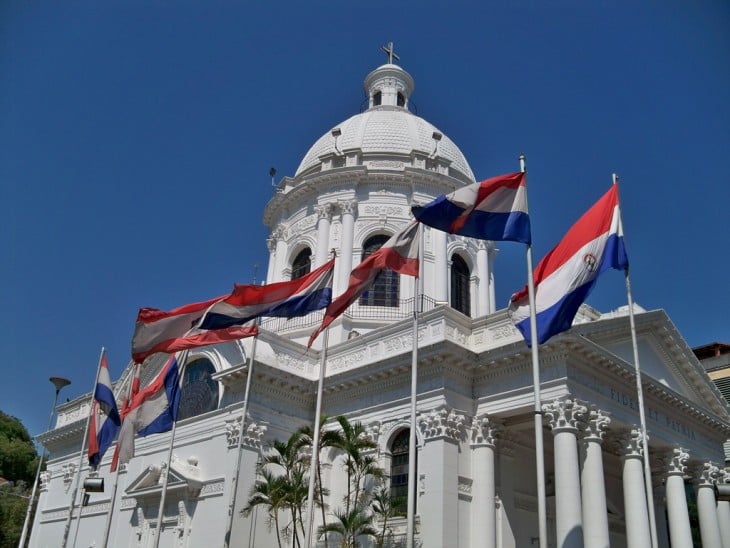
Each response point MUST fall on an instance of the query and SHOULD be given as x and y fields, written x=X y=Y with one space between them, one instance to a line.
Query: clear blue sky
x=136 y=139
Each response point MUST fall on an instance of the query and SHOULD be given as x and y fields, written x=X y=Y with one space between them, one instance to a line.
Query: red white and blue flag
x=566 y=275
x=495 y=209
x=152 y=410
x=399 y=253
x=105 y=419
x=161 y=331
x=288 y=299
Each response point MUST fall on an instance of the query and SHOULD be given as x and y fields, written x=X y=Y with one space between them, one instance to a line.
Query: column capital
x=706 y=474
x=347 y=206
x=563 y=415
x=627 y=443
x=279 y=233
x=443 y=422
x=594 y=424
x=324 y=211
x=674 y=461
x=484 y=431
x=271 y=244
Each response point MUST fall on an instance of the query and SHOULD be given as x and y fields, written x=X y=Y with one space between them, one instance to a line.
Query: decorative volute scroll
x=706 y=474
x=564 y=414
x=443 y=422
x=484 y=431
x=594 y=424
x=252 y=437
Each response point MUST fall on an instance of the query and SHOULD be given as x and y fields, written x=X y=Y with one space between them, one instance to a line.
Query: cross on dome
x=390 y=52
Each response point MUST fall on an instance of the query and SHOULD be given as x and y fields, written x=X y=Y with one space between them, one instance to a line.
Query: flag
x=298 y=297
x=160 y=331
x=105 y=420
x=399 y=253
x=566 y=275
x=495 y=209
x=152 y=410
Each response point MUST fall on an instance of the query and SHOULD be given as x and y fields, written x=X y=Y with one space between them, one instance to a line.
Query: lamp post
x=58 y=382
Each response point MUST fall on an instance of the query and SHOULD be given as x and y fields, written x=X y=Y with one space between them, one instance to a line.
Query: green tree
x=327 y=438
x=351 y=524
x=18 y=462
x=385 y=507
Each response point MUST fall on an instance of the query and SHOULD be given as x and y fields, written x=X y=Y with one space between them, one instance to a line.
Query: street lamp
x=58 y=382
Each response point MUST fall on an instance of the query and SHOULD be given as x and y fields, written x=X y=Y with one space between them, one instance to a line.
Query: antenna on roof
x=272 y=172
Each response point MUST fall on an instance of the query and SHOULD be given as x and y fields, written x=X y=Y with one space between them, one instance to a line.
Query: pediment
x=184 y=477
x=664 y=356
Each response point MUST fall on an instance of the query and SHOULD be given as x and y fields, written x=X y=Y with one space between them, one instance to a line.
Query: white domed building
x=475 y=482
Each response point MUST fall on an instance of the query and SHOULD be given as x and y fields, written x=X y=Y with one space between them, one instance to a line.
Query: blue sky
x=136 y=139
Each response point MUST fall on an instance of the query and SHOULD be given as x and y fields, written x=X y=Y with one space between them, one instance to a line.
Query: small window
x=199 y=392
x=385 y=288
x=460 y=280
x=377 y=98
x=401 y=99
x=399 y=458
x=302 y=264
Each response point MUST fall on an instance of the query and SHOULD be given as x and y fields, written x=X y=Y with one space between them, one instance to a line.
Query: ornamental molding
x=252 y=436
x=484 y=431
x=324 y=211
x=465 y=488
x=706 y=474
x=627 y=443
x=303 y=225
x=213 y=488
x=68 y=472
x=564 y=415
x=45 y=479
x=674 y=462
x=594 y=425
x=347 y=207
x=443 y=423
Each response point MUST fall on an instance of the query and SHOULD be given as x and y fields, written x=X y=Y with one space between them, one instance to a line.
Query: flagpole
x=539 y=445
x=67 y=527
x=640 y=393
x=163 y=493
x=239 y=449
x=315 y=441
x=417 y=300
x=110 y=513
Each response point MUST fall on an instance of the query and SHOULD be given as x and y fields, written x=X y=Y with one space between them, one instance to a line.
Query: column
x=442 y=430
x=271 y=245
x=593 y=487
x=483 y=503
x=278 y=235
x=638 y=534
x=680 y=531
x=563 y=419
x=491 y=255
x=347 y=209
x=705 y=476
x=484 y=302
x=324 y=215
x=440 y=263
x=723 y=513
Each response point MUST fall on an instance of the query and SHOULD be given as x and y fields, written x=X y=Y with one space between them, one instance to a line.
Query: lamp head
x=59 y=382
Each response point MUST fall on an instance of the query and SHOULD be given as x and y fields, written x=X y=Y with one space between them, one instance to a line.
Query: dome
x=387 y=128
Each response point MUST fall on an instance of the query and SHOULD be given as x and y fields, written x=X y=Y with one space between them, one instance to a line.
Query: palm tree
x=270 y=491
x=353 y=443
x=385 y=507
x=327 y=438
x=360 y=469
x=351 y=524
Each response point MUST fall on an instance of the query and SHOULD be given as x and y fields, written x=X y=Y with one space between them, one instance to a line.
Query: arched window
x=399 y=468
x=377 y=98
x=460 y=279
x=199 y=392
x=302 y=264
x=401 y=99
x=384 y=291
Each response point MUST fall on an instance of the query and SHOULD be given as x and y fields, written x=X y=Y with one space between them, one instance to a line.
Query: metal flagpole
x=640 y=393
x=163 y=493
x=108 y=525
x=315 y=441
x=417 y=300
x=234 y=483
x=67 y=527
x=539 y=445
x=58 y=382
